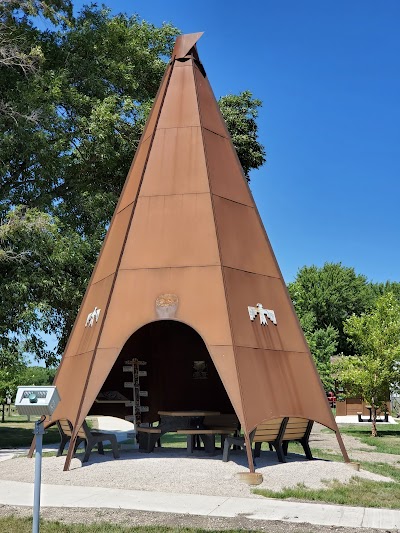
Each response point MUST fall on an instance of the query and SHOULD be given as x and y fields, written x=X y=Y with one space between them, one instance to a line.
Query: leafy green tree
x=19 y=56
x=375 y=370
x=11 y=365
x=379 y=289
x=240 y=113
x=37 y=375
x=44 y=270
x=14 y=372
x=74 y=107
x=331 y=294
x=323 y=346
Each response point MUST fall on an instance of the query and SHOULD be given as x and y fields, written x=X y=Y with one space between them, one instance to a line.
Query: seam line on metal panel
x=250 y=272
x=103 y=278
x=191 y=126
x=84 y=353
x=190 y=193
x=271 y=349
x=215 y=265
x=234 y=201
x=174 y=194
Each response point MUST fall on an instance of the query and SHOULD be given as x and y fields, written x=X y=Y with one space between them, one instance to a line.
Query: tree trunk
x=374 y=432
x=3 y=412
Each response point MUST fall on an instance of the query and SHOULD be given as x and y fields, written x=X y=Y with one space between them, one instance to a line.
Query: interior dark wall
x=169 y=349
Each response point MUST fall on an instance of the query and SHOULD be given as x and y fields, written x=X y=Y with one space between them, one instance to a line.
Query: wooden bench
x=90 y=438
x=277 y=433
x=270 y=432
x=148 y=437
x=298 y=430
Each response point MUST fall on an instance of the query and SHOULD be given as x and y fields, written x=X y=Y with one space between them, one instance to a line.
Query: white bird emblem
x=263 y=313
x=93 y=316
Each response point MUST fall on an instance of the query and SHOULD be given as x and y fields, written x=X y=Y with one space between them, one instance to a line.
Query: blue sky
x=328 y=73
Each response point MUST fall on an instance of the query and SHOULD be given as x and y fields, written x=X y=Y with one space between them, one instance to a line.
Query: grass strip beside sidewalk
x=24 y=525
x=358 y=492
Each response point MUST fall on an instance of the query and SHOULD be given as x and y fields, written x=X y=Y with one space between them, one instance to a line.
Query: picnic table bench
x=196 y=425
x=369 y=419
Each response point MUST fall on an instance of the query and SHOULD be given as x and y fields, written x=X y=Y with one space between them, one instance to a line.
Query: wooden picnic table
x=189 y=413
x=378 y=417
x=171 y=422
x=174 y=420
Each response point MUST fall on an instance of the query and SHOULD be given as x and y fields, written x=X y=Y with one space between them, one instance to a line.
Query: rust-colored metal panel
x=176 y=164
x=101 y=366
x=131 y=188
x=70 y=382
x=109 y=257
x=245 y=289
x=85 y=337
x=211 y=117
x=277 y=383
x=242 y=240
x=226 y=177
x=201 y=305
x=180 y=105
x=225 y=361
x=184 y=43
x=166 y=232
x=158 y=103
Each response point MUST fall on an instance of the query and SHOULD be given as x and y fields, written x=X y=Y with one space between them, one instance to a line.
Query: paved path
x=17 y=493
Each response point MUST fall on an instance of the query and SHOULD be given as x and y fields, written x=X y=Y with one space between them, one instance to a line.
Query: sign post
x=40 y=401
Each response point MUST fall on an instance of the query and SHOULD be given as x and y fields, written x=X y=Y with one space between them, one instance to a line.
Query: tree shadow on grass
x=11 y=437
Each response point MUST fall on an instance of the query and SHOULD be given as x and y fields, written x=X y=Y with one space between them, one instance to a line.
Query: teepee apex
x=184 y=43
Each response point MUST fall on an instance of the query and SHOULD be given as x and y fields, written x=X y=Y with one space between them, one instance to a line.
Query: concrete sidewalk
x=17 y=493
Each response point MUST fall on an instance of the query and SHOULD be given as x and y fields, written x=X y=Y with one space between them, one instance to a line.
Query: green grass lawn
x=24 y=525
x=359 y=492
x=388 y=440
x=19 y=433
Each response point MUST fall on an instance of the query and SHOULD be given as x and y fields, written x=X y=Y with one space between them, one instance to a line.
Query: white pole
x=39 y=432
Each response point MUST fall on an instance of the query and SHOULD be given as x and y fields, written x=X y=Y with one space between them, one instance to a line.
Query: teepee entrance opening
x=176 y=373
